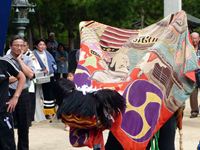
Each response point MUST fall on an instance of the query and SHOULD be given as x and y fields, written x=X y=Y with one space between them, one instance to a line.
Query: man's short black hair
x=15 y=37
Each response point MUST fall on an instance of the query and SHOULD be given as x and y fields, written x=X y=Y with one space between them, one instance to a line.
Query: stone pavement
x=51 y=136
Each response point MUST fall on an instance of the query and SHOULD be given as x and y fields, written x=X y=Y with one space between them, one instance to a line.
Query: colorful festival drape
x=148 y=67
x=5 y=7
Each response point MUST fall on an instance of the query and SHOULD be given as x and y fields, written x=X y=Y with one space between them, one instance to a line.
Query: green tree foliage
x=63 y=17
x=192 y=7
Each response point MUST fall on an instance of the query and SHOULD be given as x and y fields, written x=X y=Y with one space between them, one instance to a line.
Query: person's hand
x=12 y=104
x=19 y=57
x=62 y=58
x=45 y=71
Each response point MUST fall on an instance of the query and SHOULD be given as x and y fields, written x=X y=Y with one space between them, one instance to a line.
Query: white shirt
x=43 y=57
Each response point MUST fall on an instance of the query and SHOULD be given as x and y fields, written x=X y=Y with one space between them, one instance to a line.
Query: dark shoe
x=194 y=115
x=48 y=117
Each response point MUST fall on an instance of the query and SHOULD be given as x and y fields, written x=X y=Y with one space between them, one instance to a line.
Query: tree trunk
x=40 y=26
x=70 y=39
x=30 y=38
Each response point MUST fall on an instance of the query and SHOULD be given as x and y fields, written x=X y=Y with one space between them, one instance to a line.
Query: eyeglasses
x=18 y=45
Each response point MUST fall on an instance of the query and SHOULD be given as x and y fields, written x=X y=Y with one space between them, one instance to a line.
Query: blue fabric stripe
x=5 y=7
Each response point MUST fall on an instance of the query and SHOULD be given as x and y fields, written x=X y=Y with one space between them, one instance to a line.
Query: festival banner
x=5 y=7
x=148 y=67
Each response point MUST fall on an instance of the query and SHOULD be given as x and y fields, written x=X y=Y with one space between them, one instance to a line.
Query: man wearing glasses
x=22 y=112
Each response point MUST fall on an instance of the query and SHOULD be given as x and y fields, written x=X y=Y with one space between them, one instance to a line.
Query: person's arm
x=13 y=101
x=12 y=79
x=28 y=72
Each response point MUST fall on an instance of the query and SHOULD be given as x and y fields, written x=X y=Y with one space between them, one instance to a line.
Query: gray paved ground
x=51 y=136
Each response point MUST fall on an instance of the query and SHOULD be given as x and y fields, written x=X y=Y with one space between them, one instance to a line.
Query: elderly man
x=52 y=44
x=194 y=96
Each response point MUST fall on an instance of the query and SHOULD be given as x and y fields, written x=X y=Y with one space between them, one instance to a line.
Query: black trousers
x=48 y=89
x=32 y=105
x=194 y=101
x=112 y=143
x=165 y=141
x=58 y=75
x=167 y=134
x=22 y=119
x=7 y=139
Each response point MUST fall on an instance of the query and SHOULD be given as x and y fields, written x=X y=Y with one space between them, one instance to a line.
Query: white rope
x=181 y=139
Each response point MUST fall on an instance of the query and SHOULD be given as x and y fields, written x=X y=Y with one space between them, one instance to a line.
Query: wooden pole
x=172 y=6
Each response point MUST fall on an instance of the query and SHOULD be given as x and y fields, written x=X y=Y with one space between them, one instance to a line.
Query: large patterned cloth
x=149 y=67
